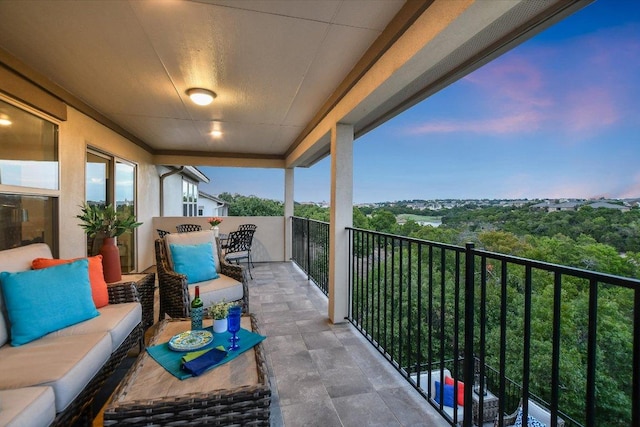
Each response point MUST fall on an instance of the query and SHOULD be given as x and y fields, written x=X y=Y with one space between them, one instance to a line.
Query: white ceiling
x=271 y=63
x=279 y=67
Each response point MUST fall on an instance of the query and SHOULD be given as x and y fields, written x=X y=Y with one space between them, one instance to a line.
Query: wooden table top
x=147 y=380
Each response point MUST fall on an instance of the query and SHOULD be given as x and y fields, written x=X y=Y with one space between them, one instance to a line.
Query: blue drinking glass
x=233 y=319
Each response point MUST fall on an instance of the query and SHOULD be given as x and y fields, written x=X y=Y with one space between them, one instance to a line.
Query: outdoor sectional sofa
x=53 y=379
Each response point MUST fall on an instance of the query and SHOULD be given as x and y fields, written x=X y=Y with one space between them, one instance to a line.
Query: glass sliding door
x=112 y=181
x=125 y=186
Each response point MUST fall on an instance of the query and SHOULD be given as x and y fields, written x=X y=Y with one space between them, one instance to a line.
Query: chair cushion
x=43 y=301
x=71 y=362
x=194 y=261
x=214 y=291
x=99 y=291
x=116 y=319
x=193 y=238
x=17 y=259
x=27 y=407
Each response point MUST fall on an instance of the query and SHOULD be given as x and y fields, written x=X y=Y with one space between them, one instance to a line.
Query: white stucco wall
x=172 y=192
x=268 y=240
x=75 y=135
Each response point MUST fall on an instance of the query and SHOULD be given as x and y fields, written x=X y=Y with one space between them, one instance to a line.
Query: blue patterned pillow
x=531 y=421
x=194 y=261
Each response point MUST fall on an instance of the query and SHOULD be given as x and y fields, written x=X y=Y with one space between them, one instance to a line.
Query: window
x=112 y=181
x=28 y=178
x=189 y=198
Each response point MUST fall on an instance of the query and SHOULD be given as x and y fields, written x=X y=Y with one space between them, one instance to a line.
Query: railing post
x=308 y=269
x=469 y=306
x=635 y=393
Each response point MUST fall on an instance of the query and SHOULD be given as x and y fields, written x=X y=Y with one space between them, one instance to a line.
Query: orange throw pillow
x=450 y=381
x=96 y=276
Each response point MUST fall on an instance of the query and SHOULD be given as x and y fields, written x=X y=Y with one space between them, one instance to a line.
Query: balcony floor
x=321 y=374
x=324 y=374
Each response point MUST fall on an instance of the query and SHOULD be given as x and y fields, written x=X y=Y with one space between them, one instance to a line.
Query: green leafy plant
x=220 y=310
x=106 y=221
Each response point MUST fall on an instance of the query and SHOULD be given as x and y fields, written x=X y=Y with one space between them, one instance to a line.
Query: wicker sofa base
x=80 y=410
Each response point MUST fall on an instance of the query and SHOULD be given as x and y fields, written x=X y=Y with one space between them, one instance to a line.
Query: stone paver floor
x=325 y=374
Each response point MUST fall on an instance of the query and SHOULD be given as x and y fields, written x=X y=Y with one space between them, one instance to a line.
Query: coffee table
x=234 y=393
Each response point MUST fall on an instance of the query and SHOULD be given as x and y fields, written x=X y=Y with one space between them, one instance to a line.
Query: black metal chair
x=162 y=233
x=186 y=228
x=249 y=227
x=238 y=247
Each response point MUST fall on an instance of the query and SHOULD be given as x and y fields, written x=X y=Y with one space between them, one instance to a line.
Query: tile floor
x=324 y=374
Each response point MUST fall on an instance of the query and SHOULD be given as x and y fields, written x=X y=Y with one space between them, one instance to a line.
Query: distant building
x=607 y=205
x=209 y=205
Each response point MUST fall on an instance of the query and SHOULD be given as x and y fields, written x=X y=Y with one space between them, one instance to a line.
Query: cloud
x=499 y=125
x=575 y=88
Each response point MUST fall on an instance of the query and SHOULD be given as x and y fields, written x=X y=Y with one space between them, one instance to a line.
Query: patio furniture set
x=443 y=382
x=62 y=335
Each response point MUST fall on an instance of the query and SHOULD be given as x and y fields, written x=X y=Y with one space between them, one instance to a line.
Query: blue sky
x=558 y=116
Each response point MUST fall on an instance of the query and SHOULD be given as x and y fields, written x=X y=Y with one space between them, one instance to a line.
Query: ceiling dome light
x=201 y=96
x=216 y=133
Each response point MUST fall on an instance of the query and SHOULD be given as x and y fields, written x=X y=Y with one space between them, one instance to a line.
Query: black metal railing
x=310 y=250
x=566 y=337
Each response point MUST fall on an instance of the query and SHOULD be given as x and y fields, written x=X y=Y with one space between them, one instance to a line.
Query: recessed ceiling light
x=201 y=96
x=4 y=120
x=216 y=133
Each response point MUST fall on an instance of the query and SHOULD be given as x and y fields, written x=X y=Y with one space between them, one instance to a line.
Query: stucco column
x=341 y=217
x=288 y=212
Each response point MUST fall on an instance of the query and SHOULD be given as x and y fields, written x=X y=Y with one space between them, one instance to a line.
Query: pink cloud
x=499 y=125
x=590 y=109
x=575 y=89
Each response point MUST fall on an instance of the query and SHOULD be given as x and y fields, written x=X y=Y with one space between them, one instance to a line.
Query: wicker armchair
x=535 y=410
x=187 y=228
x=173 y=289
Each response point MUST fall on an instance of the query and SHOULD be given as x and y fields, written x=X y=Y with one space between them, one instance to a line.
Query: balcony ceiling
x=283 y=70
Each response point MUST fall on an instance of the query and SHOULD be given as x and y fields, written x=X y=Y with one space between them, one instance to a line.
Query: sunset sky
x=558 y=116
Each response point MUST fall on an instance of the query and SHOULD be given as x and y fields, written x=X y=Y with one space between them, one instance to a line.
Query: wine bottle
x=196 y=311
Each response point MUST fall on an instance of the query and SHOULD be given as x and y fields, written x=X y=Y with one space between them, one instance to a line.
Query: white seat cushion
x=116 y=319
x=27 y=407
x=437 y=376
x=214 y=291
x=71 y=362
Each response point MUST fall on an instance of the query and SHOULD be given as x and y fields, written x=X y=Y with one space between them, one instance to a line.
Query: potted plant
x=106 y=223
x=219 y=313
x=214 y=222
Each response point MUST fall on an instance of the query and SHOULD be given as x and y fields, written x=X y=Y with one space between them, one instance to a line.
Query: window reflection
x=28 y=150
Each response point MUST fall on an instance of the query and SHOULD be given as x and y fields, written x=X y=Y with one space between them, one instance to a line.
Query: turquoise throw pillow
x=42 y=301
x=194 y=261
x=448 y=394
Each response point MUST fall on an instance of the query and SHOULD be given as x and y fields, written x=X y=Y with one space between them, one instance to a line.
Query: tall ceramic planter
x=110 y=260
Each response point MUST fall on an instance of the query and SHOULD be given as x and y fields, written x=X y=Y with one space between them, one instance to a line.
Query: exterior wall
x=211 y=208
x=268 y=241
x=172 y=192
x=75 y=134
